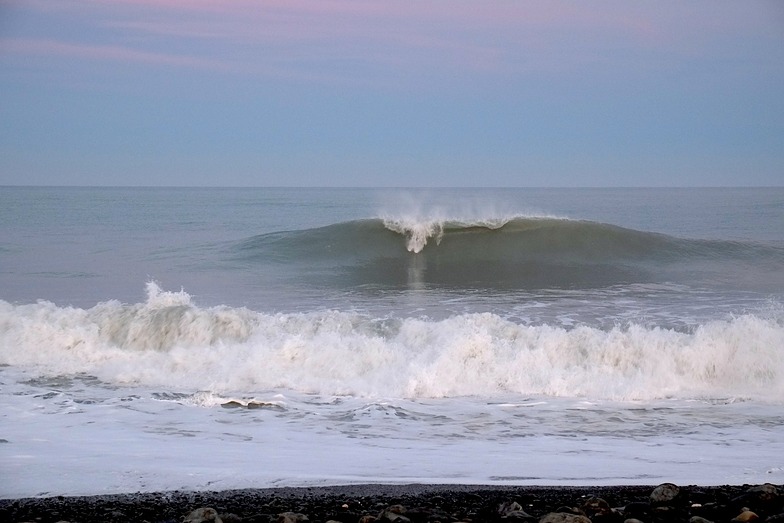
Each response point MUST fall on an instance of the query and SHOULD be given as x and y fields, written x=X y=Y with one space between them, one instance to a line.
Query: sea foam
x=170 y=342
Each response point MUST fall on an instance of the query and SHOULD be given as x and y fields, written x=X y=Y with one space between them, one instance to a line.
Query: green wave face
x=520 y=252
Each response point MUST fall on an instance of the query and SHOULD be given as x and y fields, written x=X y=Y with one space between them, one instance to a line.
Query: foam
x=169 y=341
x=418 y=230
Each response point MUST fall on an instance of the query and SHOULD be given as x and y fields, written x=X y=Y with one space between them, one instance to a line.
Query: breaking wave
x=170 y=342
x=513 y=252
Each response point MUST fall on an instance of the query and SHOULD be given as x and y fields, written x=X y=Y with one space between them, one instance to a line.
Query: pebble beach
x=416 y=504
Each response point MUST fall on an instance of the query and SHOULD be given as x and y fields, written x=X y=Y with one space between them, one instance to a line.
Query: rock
x=596 y=507
x=393 y=514
x=632 y=520
x=636 y=509
x=745 y=517
x=426 y=514
x=397 y=509
x=393 y=517
x=765 y=492
x=507 y=507
x=520 y=515
x=665 y=494
x=698 y=519
x=203 y=515
x=513 y=510
x=563 y=517
x=291 y=517
x=569 y=510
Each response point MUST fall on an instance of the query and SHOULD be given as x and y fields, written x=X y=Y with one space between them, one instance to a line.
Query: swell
x=523 y=252
x=169 y=342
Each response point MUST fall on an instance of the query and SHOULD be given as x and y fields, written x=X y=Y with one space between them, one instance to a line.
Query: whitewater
x=158 y=339
x=169 y=340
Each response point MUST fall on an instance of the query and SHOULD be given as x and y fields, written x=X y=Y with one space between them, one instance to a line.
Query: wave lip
x=419 y=231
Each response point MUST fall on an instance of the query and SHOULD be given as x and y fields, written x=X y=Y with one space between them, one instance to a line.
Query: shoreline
x=414 y=503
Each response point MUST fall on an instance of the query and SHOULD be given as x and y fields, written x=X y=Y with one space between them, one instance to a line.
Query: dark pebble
x=414 y=503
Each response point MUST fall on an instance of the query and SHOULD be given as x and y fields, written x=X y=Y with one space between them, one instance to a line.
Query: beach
x=415 y=503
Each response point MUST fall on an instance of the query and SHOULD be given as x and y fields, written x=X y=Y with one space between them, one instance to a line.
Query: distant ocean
x=174 y=338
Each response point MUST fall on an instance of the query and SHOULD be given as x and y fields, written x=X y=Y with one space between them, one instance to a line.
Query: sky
x=392 y=93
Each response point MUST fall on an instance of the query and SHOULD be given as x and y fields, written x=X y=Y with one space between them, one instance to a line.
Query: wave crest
x=419 y=231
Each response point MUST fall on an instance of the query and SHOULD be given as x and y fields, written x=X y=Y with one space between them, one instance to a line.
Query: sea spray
x=419 y=231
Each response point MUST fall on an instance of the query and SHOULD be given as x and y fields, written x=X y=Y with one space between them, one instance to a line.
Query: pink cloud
x=379 y=41
x=448 y=30
x=348 y=17
x=106 y=52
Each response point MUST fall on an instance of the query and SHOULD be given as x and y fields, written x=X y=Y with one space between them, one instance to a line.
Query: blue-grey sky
x=391 y=93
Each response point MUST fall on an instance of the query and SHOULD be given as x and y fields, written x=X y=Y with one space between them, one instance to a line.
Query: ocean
x=159 y=339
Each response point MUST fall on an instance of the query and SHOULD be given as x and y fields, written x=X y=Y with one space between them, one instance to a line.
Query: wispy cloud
x=381 y=42
x=30 y=46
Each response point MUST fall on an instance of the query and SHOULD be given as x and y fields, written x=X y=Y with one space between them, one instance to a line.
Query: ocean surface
x=173 y=338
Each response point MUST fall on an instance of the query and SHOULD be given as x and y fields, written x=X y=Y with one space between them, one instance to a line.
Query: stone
x=520 y=514
x=393 y=517
x=569 y=510
x=513 y=510
x=665 y=494
x=507 y=507
x=203 y=515
x=765 y=492
x=636 y=509
x=291 y=517
x=699 y=519
x=632 y=520
x=596 y=506
x=745 y=517
x=393 y=514
x=563 y=517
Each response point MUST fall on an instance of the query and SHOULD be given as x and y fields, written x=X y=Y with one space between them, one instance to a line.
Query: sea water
x=173 y=338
